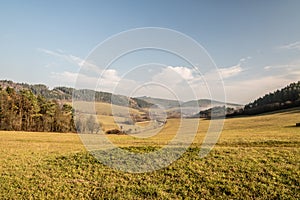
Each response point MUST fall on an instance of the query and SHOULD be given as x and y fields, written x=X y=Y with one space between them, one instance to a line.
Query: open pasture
x=255 y=158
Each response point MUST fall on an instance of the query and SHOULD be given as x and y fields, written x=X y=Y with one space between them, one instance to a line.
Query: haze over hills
x=169 y=103
x=66 y=94
x=283 y=98
x=286 y=97
x=38 y=108
x=166 y=103
x=188 y=108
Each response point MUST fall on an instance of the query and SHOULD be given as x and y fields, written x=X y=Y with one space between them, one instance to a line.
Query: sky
x=253 y=46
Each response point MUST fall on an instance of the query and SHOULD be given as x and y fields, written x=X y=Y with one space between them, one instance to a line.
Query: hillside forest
x=34 y=108
x=287 y=97
x=24 y=111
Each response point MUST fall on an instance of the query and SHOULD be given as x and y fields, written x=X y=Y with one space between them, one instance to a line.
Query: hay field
x=255 y=158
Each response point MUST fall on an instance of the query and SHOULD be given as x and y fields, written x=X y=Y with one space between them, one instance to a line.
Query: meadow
x=256 y=157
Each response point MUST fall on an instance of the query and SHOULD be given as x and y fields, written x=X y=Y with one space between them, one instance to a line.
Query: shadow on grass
x=287 y=111
x=292 y=126
x=226 y=173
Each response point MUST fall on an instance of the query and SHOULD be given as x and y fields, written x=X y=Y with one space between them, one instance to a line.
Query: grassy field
x=255 y=158
x=102 y=108
x=109 y=115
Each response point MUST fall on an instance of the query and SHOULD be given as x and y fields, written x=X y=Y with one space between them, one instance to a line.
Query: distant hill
x=58 y=93
x=66 y=94
x=173 y=107
x=286 y=97
x=166 y=103
x=189 y=108
x=23 y=111
x=208 y=103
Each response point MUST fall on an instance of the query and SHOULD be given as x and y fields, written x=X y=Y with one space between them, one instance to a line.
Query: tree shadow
x=292 y=126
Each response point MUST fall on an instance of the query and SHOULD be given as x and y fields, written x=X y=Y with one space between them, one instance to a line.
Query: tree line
x=66 y=93
x=24 y=111
x=287 y=97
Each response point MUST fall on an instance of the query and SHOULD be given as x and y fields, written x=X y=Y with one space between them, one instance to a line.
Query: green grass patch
x=255 y=158
x=237 y=173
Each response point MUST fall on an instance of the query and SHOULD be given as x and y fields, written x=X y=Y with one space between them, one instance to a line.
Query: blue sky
x=255 y=44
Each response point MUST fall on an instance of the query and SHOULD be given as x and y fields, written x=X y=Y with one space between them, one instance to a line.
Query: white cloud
x=82 y=81
x=244 y=91
x=294 y=45
x=184 y=72
x=243 y=60
x=110 y=74
x=292 y=66
x=180 y=82
x=87 y=77
x=69 y=58
x=173 y=75
x=233 y=70
x=72 y=59
x=69 y=79
x=272 y=67
x=230 y=71
x=278 y=76
x=188 y=84
x=168 y=82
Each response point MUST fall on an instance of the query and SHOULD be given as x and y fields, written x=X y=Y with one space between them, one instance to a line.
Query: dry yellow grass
x=255 y=158
x=103 y=108
x=110 y=116
x=277 y=126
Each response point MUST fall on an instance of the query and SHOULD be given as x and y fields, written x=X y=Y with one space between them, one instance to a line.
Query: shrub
x=115 y=131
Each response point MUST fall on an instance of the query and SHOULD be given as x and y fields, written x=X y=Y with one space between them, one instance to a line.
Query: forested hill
x=66 y=93
x=280 y=99
x=24 y=111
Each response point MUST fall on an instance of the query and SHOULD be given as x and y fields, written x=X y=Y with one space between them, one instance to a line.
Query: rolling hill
x=67 y=94
x=176 y=108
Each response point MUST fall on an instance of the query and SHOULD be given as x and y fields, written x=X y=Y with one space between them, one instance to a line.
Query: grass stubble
x=255 y=158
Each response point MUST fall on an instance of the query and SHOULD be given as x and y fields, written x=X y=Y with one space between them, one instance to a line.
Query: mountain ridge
x=62 y=93
x=170 y=103
x=67 y=94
